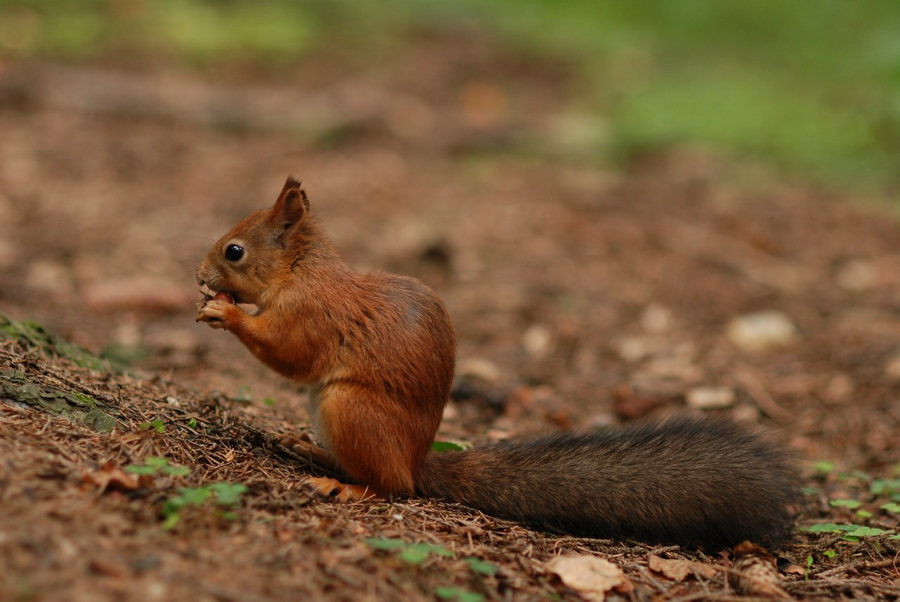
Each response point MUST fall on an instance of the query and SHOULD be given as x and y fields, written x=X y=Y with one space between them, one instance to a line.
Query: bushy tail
x=686 y=481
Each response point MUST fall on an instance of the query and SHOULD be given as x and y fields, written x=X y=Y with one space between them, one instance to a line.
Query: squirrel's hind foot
x=332 y=489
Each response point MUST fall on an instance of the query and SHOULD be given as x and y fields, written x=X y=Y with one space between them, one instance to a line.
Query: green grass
x=810 y=87
x=191 y=30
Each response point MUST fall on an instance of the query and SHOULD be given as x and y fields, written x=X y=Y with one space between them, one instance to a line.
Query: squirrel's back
x=686 y=481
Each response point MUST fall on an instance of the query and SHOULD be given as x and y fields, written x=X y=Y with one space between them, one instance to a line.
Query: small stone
x=656 y=319
x=451 y=411
x=892 y=368
x=856 y=276
x=497 y=434
x=746 y=413
x=634 y=349
x=761 y=331
x=8 y=255
x=49 y=278
x=537 y=341
x=838 y=389
x=710 y=398
x=480 y=368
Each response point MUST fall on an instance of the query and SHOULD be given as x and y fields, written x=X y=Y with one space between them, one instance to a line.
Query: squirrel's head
x=261 y=249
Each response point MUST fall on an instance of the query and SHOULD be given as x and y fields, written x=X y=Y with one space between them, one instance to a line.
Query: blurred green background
x=809 y=88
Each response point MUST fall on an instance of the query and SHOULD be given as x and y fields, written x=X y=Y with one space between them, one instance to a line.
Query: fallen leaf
x=791 y=568
x=591 y=576
x=678 y=569
x=109 y=477
x=108 y=567
x=631 y=404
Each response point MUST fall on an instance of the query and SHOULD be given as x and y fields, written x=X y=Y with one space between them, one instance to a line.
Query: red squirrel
x=378 y=351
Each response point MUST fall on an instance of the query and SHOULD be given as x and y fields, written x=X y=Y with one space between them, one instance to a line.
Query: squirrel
x=378 y=352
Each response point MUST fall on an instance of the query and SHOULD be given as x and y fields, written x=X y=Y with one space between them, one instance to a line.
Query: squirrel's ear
x=292 y=204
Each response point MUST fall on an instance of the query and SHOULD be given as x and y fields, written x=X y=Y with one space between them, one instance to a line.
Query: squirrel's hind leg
x=370 y=437
x=324 y=487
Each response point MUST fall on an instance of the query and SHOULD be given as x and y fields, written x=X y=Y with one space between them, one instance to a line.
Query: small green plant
x=228 y=494
x=460 y=595
x=826 y=528
x=445 y=446
x=829 y=553
x=855 y=474
x=222 y=495
x=417 y=553
x=158 y=425
x=243 y=395
x=852 y=533
x=870 y=489
x=476 y=565
x=849 y=504
x=155 y=465
x=269 y=402
x=863 y=531
x=824 y=467
x=192 y=423
x=888 y=487
x=809 y=563
x=410 y=553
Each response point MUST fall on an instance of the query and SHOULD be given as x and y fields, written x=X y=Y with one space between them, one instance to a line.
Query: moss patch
x=34 y=335
x=18 y=388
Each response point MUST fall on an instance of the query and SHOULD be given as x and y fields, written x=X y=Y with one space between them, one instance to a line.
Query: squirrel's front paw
x=215 y=312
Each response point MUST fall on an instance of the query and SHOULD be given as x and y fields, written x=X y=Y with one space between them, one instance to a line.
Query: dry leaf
x=591 y=576
x=790 y=568
x=679 y=569
x=109 y=477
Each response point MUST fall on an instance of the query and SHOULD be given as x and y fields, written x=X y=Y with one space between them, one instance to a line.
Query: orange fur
x=379 y=351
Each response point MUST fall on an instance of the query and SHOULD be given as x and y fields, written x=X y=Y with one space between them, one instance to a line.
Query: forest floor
x=583 y=296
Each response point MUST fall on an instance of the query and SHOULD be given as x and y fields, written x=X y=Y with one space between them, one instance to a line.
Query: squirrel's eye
x=234 y=252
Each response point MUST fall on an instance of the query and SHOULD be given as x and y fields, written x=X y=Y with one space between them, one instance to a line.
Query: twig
x=754 y=387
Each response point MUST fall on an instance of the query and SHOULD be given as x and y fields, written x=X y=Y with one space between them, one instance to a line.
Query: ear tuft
x=291 y=182
x=292 y=204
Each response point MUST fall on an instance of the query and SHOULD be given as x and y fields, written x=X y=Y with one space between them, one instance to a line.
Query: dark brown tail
x=689 y=481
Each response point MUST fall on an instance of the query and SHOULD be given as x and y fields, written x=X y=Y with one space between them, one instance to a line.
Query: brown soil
x=582 y=296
